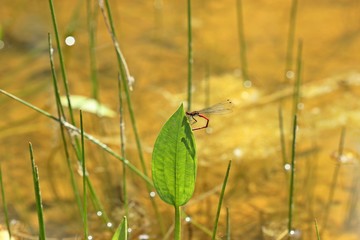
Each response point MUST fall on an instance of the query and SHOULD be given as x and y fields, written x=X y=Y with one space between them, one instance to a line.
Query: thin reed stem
x=292 y=177
x=61 y=59
x=122 y=147
x=228 y=227
x=334 y=180
x=126 y=78
x=61 y=114
x=84 y=174
x=74 y=129
x=290 y=40
x=39 y=206
x=282 y=136
x=296 y=95
x=190 y=56
x=221 y=200
x=242 y=42
x=91 y=22
x=5 y=209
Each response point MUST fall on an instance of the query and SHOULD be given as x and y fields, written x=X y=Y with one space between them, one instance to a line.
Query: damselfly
x=220 y=108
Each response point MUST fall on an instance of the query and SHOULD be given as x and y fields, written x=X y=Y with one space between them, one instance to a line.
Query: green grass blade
x=61 y=59
x=174 y=161
x=242 y=43
x=228 y=228
x=317 y=230
x=4 y=203
x=282 y=136
x=290 y=39
x=91 y=24
x=126 y=78
x=84 y=176
x=122 y=147
x=190 y=55
x=296 y=96
x=39 y=207
x=74 y=129
x=334 y=181
x=121 y=231
x=61 y=114
x=292 y=176
x=221 y=200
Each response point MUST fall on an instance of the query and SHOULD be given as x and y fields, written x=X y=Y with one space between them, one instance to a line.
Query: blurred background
x=153 y=39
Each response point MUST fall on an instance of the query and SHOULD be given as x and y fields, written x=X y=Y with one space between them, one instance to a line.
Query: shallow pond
x=153 y=38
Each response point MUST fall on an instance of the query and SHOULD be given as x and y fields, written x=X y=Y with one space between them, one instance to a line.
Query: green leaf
x=174 y=160
x=88 y=105
x=121 y=231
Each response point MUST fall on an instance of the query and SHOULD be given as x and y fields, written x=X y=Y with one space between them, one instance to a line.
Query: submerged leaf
x=174 y=160
x=89 y=105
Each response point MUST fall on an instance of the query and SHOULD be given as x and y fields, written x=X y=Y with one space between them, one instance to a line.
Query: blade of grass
x=84 y=174
x=296 y=96
x=5 y=209
x=282 y=136
x=190 y=55
x=91 y=22
x=61 y=59
x=334 y=180
x=60 y=112
x=74 y=129
x=242 y=43
x=290 y=40
x=122 y=147
x=220 y=201
x=76 y=146
x=317 y=230
x=126 y=78
x=292 y=177
x=39 y=207
x=228 y=231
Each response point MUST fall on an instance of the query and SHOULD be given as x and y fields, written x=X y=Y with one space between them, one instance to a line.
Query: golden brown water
x=154 y=43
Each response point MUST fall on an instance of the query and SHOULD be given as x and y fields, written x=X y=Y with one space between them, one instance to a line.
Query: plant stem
x=39 y=206
x=221 y=200
x=190 y=55
x=333 y=182
x=242 y=43
x=290 y=40
x=84 y=174
x=4 y=203
x=292 y=177
x=177 y=223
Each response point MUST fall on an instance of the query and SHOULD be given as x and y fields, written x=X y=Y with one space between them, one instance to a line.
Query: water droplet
x=129 y=230
x=295 y=234
x=90 y=237
x=70 y=40
x=287 y=167
x=247 y=84
x=188 y=219
x=290 y=74
x=238 y=152
x=109 y=224
x=152 y=194
x=99 y=213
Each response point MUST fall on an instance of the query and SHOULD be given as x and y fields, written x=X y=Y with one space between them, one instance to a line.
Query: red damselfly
x=220 y=108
